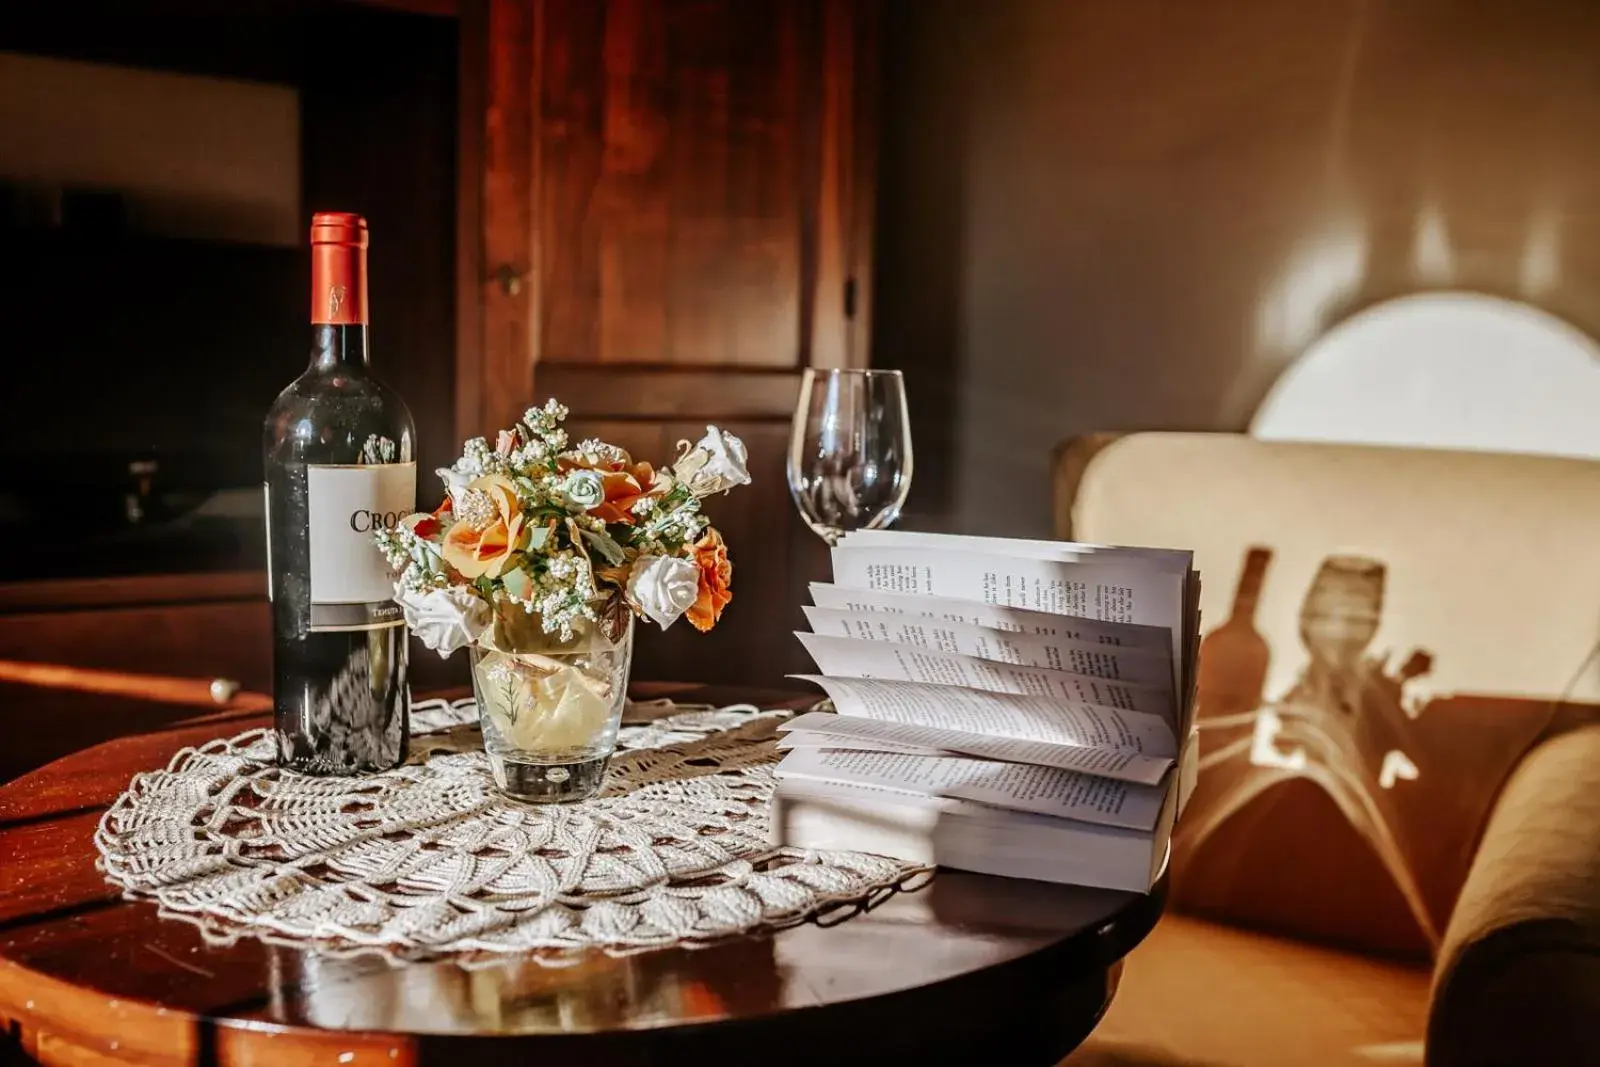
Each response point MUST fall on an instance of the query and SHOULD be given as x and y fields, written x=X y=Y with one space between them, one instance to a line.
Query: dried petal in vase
x=550 y=708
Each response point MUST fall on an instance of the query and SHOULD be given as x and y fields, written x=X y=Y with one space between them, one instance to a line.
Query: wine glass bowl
x=1342 y=609
x=850 y=450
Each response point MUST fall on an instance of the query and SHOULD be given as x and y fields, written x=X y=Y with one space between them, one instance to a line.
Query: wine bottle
x=340 y=462
x=1234 y=657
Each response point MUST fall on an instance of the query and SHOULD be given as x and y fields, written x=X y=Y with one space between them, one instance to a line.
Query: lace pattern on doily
x=429 y=859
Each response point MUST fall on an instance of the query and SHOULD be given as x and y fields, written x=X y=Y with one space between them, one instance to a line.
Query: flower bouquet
x=538 y=560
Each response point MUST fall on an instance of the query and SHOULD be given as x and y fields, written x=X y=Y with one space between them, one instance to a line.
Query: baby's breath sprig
x=542 y=437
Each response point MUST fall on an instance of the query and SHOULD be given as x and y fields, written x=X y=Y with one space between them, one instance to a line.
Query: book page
x=1016 y=786
x=1171 y=559
x=812 y=739
x=869 y=734
x=1092 y=658
x=1025 y=718
x=1110 y=591
x=842 y=657
x=995 y=616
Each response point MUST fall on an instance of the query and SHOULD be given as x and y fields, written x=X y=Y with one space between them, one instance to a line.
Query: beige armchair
x=1393 y=852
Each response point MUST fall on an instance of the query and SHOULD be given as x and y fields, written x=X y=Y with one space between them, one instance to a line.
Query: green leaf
x=537 y=537
x=603 y=544
x=517 y=583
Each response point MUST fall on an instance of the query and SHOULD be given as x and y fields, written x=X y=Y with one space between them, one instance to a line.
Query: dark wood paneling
x=669 y=139
x=505 y=275
x=837 y=317
x=217 y=640
x=652 y=392
x=673 y=182
x=472 y=48
x=138 y=668
x=146 y=590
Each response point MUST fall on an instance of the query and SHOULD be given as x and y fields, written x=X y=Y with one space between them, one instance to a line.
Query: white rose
x=446 y=619
x=455 y=482
x=664 y=587
x=585 y=488
x=717 y=463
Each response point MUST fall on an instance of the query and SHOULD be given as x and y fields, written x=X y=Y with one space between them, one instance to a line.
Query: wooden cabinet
x=148 y=648
x=665 y=218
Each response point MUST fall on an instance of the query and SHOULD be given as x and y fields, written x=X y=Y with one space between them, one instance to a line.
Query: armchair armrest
x=1518 y=976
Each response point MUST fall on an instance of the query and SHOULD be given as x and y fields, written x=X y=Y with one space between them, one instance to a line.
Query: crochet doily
x=429 y=859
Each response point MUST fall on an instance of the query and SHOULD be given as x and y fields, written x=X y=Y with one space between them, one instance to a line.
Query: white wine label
x=351 y=587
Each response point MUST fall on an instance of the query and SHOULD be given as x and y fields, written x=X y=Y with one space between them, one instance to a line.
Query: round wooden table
x=970 y=969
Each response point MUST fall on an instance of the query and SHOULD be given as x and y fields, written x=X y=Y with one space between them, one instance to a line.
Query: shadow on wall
x=1392 y=788
x=1131 y=214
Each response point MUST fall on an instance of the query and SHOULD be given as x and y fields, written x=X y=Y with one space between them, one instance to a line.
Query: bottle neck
x=1249 y=589
x=343 y=345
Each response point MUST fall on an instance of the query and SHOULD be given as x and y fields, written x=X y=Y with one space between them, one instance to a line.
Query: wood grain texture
x=672 y=182
x=41 y=870
x=669 y=137
x=86 y=977
x=472 y=50
x=135 y=590
x=677 y=194
x=143 y=667
x=838 y=320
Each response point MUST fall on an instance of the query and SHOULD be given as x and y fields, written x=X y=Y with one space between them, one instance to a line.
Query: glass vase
x=550 y=708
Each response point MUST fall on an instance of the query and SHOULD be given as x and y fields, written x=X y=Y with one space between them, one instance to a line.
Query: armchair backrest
x=1387 y=631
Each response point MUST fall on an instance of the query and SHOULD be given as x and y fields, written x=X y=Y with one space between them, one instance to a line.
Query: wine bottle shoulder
x=337 y=417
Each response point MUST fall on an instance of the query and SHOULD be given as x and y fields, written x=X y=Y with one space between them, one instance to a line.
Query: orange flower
x=488 y=526
x=716 y=581
x=623 y=490
x=426 y=523
x=422 y=524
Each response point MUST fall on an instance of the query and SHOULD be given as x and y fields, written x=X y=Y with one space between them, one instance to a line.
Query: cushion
x=1387 y=632
x=1197 y=994
x=1518 y=979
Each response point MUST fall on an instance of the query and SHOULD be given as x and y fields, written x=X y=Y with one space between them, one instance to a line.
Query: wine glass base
x=548 y=783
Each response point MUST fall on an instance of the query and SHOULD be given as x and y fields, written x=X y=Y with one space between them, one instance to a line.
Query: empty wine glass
x=850 y=450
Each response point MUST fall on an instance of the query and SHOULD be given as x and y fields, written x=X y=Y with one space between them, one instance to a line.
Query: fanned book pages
x=1020 y=708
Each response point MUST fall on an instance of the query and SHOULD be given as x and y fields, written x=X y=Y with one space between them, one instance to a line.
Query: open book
x=1021 y=708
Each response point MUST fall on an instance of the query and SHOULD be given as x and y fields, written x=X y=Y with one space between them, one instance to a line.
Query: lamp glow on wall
x=1444 y=370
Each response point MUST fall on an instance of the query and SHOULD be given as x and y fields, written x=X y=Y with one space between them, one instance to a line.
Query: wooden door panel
x=670 y=186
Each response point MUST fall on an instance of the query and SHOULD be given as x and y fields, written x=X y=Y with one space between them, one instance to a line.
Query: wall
x=194 y=156
x=1130 y=214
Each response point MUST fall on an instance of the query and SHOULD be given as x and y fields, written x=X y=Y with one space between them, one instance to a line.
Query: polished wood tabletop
x=965 y=970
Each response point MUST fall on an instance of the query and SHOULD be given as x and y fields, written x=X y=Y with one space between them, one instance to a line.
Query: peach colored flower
x=623 y=490
x=487 y=530
x=716 y=581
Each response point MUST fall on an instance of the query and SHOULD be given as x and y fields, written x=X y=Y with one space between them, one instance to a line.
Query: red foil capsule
x=338 y=269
